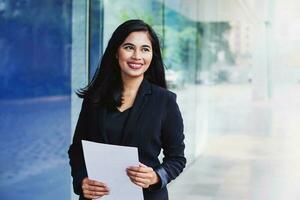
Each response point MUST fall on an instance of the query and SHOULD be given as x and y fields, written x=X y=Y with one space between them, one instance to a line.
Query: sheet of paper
x=107 y=163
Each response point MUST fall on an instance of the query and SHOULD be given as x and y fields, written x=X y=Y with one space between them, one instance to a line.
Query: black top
x=115 y=121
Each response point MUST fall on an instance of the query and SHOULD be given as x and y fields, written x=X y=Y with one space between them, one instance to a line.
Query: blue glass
x=35 y=76
x=96 y=35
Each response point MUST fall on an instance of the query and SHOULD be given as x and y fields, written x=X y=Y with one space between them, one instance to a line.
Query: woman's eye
x=128 y=47
x=145 y=50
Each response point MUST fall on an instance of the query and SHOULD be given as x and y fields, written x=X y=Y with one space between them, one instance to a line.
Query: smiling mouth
x=135 y=65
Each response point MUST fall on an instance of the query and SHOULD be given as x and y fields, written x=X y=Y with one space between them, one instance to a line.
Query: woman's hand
x=93 y=189
x=142 y=175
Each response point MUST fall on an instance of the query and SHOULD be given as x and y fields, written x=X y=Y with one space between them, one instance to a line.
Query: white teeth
x=135 y=65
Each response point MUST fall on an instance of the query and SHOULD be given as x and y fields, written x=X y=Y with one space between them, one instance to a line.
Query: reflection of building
x=239 y=39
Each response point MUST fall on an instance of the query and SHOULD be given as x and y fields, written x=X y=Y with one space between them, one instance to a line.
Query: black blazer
x=154 y=123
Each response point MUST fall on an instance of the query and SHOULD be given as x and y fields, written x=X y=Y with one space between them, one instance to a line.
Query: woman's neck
x=131 y=85
x=130 y=89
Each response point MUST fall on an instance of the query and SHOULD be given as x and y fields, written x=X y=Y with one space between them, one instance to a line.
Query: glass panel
x=95 y=34
x=80 y=70
x=248 y=86
x=225 y=53
x=35 y=65
x=100 y=30
x=115 y=14
x=180 y=48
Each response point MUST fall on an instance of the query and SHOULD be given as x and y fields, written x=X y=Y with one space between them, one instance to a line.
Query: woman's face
x=135 y=54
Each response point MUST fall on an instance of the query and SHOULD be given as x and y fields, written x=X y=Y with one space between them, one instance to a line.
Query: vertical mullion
x=101 y=27
x=88 y=40
x=163 y=28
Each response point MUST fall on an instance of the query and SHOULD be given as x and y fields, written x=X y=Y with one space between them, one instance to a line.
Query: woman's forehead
x=138 y=38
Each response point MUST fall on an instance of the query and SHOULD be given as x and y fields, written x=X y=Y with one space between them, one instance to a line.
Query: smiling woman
x=135 y=54
x=121 y=107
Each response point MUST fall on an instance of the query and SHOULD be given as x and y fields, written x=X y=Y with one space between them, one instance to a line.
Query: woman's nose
x=136 y=55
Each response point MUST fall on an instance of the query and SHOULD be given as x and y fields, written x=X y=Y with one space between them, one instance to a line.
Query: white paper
x=107 y=163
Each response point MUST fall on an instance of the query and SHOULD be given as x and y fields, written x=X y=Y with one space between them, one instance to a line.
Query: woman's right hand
x=93 y=189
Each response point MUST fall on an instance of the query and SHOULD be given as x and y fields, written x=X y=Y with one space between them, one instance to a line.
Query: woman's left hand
x=142 y=175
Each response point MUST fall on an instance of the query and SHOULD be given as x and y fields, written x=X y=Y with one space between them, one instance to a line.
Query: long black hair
x=106 y=86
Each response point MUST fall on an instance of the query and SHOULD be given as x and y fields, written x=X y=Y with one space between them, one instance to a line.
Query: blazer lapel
x=130 y=137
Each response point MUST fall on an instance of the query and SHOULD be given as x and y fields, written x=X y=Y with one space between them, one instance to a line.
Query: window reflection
x=35 y=65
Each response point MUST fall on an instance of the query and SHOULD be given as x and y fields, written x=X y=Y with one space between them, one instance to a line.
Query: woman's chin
x=134 y=75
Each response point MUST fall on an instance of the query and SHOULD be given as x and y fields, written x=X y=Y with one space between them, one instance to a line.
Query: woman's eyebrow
x=146 y=45
x=128 y=43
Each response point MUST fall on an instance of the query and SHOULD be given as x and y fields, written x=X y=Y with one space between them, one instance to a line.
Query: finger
x=140 y=184
x=86 y=181
x=133 y=168
x=93 y=193
x=140 y=169
x=146 y=175
x=145 y=167
x=142 y=165
x=141 y=180
x=91 y=196
x=95 y=188
x=96 y=183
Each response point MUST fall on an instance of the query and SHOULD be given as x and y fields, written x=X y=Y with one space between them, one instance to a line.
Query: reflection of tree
x=187 y=45
x=179 y=42
x=212 y=41
x=178 y=46
x=151 y=16
x=147 y=17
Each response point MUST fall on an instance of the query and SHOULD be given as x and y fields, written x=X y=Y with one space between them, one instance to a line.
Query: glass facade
x=35 y=85
x=232 y=64
x=180 y=49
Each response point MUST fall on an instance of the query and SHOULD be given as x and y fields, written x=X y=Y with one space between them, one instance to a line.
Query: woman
x=127 y=103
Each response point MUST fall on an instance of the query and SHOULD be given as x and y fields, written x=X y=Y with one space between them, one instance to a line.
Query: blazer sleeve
x=78 y=169
x=173 y=145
